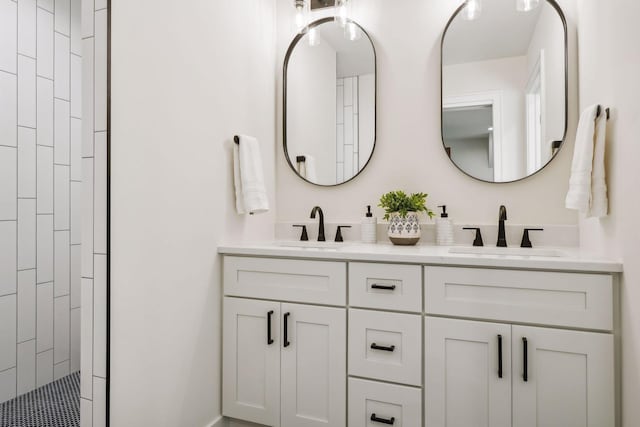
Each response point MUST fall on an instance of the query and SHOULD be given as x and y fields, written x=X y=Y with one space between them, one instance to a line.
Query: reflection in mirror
x=330 y=102
x=504 y=87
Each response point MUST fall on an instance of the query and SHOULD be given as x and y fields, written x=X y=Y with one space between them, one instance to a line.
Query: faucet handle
x=339 y=233
x=526 y=242
x=304 y=237
x=478 y=240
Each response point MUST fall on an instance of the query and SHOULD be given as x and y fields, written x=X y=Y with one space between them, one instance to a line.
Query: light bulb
x=314 y=40
x=472 y=10
x=342 y=12
x=526 y=5
x=352 y=31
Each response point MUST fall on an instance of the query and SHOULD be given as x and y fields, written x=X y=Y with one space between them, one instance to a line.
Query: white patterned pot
x=404 y=231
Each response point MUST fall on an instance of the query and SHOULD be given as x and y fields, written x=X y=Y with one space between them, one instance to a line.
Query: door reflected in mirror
x=330 y=102
x=504 y=88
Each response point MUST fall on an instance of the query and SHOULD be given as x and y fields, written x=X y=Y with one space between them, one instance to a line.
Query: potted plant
x=401 y=210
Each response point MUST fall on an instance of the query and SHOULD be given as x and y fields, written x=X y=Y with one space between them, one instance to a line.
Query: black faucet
x=321 y=237
x=502 y=217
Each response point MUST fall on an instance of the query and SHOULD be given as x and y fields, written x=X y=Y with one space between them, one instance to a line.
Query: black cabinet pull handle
x=286 y=330
x=375 y=346
x=499 y=356
x=525 y=360
x=269 y=338
x=384 y=287
x=389 y=421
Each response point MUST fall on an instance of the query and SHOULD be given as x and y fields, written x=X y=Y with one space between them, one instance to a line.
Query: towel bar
x=301 y=159
x=606 y=110
x=236 y=139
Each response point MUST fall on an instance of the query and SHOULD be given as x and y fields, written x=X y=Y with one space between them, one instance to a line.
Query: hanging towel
x=579 y=195
x=310 y=173
x=599 y=201
x=251 y=194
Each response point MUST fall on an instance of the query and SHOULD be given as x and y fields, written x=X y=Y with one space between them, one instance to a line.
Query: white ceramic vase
x=404 y=231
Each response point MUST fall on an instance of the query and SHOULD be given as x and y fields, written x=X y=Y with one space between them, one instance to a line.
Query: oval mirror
x=504 y=87
x=329 y=102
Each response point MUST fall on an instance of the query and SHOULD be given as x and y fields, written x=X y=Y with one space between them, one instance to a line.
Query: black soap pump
x=368 y=228
x=444 y=228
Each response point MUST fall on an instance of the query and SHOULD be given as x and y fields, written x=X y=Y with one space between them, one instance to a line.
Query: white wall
x=409 y=153
x=609 y=70
x=472 y=155
x=186 y=78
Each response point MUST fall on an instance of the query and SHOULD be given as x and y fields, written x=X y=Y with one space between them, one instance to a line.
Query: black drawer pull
x=375 y=346
x=389 y=421
x=384 y=287
x=499 y=356
x=269 y=339
x=525 y=360
x=286 y=330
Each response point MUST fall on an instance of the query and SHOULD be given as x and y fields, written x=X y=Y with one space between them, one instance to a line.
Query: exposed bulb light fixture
x=352 y=32
x=526 y=5
x=301 y=15
x=314 y=39
x=342 y=12
x=472 y=9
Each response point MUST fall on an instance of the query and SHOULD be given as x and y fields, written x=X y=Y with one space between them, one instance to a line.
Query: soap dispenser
x=444 y=228
x=368 y=229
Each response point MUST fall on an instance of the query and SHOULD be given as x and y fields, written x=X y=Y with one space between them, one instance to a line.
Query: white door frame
x=535 y=102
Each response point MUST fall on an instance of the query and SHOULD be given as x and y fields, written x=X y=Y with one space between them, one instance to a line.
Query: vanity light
x=301 y=15
x=526 y=5
x=472 y=10
x=314 y=40
x=342 y=11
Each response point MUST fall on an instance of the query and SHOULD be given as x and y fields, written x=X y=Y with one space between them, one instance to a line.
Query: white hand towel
x=310 y=169
x=251 y=194
x=599 y=201
x=579 y=195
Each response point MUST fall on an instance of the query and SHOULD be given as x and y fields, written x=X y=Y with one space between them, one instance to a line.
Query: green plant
x=399 y=201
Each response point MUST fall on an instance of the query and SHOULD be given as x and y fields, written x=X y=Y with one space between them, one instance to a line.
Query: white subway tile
x=61 y=71
x=62 y=201
x=99 y=402
x=62 y=133
x=75 y=149
x=87 y=18
x=44 y=180
x=75 y=277
x=87 y=98
x=76 y=27
x=101 y=71
x=46 y=4
x=87 y=217
x=8 y=109
x=340 y=143
x=8 y=35
x=45 y=43
x=7 y=385
x=9 y=181
x=62 y=326
x=44 y=249
x=76 y=213
x=62 y=13
x=44 y=368
x=26 y=234
x=74 y=358
x=86 y=340
x=8 y=255
x=26 y=366
x=86 y=413
x=100 y=316
x=348 y=127
x=7 y=332
x=26 y=162
x=45 y=111
x=62 y=264
x=26 y=91
x=348 y=92
x=76 y=86
x=27 y=27
x=100 y=195
x=44 y=318
x=27 y=305
x=61 y=370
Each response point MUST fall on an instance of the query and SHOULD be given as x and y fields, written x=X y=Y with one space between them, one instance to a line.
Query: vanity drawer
x=316 y=282
x=369 y=399
x=538 y=297
x=385 y=346
x=385 y=286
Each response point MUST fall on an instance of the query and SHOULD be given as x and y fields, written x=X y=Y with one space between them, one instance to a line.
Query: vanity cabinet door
x=251 y=361
x=314 y=371
x=569 y=378
x=464 y=385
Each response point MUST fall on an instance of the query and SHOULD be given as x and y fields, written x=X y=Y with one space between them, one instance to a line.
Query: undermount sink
x=528 y=252
x=328 y=246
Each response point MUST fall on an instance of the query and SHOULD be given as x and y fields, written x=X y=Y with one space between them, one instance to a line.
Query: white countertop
x=573 y=259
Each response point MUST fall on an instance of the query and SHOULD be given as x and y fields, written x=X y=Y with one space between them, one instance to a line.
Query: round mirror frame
x=292 y=46
x=566 y=93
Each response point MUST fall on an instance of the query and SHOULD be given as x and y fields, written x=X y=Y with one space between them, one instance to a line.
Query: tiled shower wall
x=94 y=214
x=347 y=123
x=40 y=189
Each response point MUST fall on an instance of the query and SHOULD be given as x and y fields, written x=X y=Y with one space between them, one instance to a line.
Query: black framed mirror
x=504 y=91
x=329 y=104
